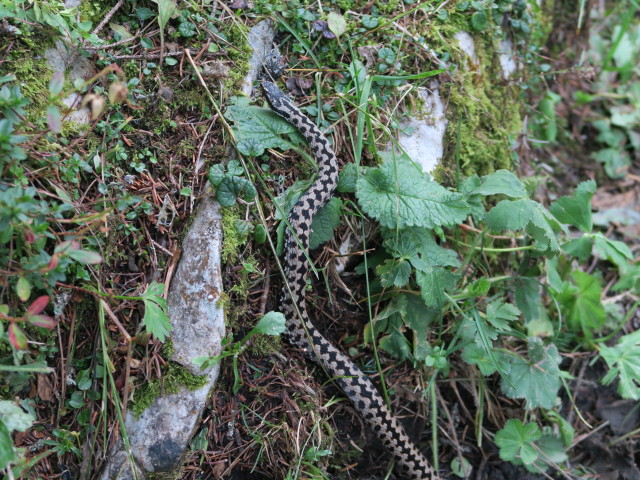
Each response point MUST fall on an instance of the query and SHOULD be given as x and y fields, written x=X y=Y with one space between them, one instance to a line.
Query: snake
x=300 y=331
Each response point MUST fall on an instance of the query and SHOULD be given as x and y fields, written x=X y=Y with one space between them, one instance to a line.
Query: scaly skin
x=301 y=332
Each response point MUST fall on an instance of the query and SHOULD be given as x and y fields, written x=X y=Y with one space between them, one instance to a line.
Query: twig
x=108 y=17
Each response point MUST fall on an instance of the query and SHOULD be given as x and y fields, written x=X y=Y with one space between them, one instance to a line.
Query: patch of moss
x=232 y=239
x=175 y=376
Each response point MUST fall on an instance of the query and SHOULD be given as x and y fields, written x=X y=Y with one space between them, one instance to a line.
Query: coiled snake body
x=301 y=332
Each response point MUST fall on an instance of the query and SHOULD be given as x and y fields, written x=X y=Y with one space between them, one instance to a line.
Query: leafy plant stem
x=627 y=317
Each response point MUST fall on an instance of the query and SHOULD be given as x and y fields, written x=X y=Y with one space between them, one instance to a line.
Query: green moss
x=232 y=239
x=237 y=34
x=175 y=377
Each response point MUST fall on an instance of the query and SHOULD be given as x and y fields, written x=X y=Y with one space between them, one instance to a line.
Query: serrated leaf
x=324 y=222
x=582 y=303
x=337 y=23
x=501 y=182
x=516 y=441
x=525 y=214
x=231 y=188
x=23 y=289
x=579 y=248
x=399 y=195
x=536 y=379
x=500 y=313
x=616 y=252
x=394 y=273
x=623 y=361
x=434 y=282
x=576 y=209
x=257 y=129
x=347 y=178
x=272 y=323
x=155 y=319
x=476 y=355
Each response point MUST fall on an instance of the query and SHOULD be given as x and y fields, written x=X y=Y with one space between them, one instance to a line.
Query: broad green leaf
x=85 y=256
x=579 y=248
x=434 y=282
x=347 y=178
x=337 y=23
x=537 y=379
x=552 y=452
x=23 y=289
x=396 y=345
x=582 y=303
x=272 y=323
x=500 y=313
x=479 y=20
x=257 y=129
x=501 y=182
x=7 y=453
x=623 y=361
x=216 y=174
x=56 y=83
x=324 y=222
x=14 y=417
x=576 y=209
x=166 y=9
x=155 y=319
x=614 y=251
x=516 y=441
x=394 y=273
x=231 y=188
x=525 y=214
x=477 y=355
x=399 y=195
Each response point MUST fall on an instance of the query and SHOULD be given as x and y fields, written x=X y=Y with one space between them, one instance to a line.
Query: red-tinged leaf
x=17 y=337
x=54 y=119
x=29 y=236
x=42 y=321
x=53 y=263
x=66 y=246
x=38 y=305
x=86 y=256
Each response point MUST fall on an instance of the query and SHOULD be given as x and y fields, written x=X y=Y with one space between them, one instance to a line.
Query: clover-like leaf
x=517 y=441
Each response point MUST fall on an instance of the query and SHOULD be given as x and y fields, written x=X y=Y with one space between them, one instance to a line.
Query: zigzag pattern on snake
x=301 y=331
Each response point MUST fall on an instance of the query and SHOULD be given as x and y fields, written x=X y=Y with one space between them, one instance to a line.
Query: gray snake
x=300 y=330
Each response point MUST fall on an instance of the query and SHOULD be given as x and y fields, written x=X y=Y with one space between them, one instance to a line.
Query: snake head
x=274 y=64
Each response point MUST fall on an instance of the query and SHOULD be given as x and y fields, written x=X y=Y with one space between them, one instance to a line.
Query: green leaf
x=337 y=23
x=576 y=210
x=14 y=417
x=17 y=337
x=434 y=282
x=324 y=222
x=525 y=214
x=582 y=303
x=166 y=9
x=347 y=178
x=257 y=129
x=399 y=195
x=474 y=354
x=396 y=345
x=272 y=323
x=56 y=83
x=216 y=174
x=187 y=29
x=616 y=162
x=170 y=61
x=579 y=248
x=394 y=273
x=614 y=251
x=7 y=452
x=23 y=289
x=479 y=20
x=623 y=361
x=155 y=319
x=537 y=379
x=501 y=182
x=516 y=441
x=500 y=313
x=85 y=256
x=144 y=13
x=231 y=188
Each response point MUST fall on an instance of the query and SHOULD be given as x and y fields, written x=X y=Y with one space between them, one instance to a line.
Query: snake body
x=300 y=330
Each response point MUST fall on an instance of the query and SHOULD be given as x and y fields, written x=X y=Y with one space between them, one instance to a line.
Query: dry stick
x=108 y=17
